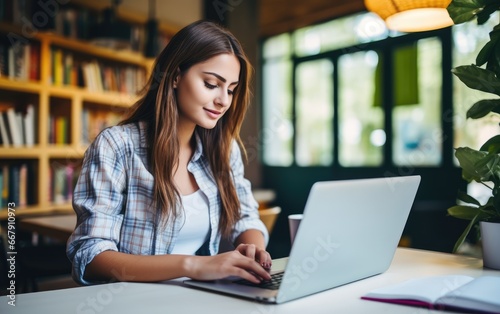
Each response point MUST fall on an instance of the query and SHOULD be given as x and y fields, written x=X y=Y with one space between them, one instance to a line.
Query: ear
x=177 y=78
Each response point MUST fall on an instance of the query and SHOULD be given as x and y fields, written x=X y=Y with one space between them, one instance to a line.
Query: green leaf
x=483 y=107
x=462 y=11
x=489 y=167
x=484 y=15
x=463 y=212
x=462 y=237
x=468 y=159
x=485 y=53
x=492 y=145
x=494 y=62
x=478 y=78
x=466 y=198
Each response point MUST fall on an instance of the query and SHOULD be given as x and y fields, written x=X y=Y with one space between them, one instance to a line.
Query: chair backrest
x=269 y=216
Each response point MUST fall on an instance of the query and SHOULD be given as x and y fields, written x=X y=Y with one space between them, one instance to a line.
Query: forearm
x=251 y=236
x=151 y=268
x=112 y=265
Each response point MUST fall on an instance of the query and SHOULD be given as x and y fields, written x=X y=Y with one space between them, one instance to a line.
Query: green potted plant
x=481 y=165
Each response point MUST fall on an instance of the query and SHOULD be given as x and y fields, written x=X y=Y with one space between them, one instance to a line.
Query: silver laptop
x=350 y=231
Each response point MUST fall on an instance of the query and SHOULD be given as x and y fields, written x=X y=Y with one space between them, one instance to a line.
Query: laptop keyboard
x=271 y=284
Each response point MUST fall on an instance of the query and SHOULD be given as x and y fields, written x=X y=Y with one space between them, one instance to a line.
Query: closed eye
x=210 y=86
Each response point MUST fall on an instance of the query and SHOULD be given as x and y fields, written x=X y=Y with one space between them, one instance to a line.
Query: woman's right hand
x=223 y=265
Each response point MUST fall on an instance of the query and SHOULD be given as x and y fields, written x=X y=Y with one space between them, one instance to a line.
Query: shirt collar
x=198 y=151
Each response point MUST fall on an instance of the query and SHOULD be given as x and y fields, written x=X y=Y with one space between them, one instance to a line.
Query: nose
x=223 y=99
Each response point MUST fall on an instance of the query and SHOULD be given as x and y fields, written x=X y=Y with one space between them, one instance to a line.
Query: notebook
x=350 y=231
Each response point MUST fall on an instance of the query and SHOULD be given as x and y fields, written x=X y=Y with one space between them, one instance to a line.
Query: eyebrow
x=220 y=77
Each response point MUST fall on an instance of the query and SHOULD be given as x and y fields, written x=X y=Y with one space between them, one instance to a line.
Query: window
x=314 y=90
x=277 y=132
x=325 y=102
x=416 y=116
x=361 y=121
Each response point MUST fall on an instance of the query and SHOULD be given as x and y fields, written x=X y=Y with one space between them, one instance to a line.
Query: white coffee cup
x=293 y=223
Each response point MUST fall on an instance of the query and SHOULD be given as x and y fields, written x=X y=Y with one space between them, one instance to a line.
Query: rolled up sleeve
x=98 y=201
x=248 y=205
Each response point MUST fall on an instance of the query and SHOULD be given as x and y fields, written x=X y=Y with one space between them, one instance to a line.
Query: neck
x=185 y=133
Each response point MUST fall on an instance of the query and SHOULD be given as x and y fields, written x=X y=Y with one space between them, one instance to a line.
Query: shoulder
x=122 y=133
x=236 y=159
x=235 y=150
x=118 y=138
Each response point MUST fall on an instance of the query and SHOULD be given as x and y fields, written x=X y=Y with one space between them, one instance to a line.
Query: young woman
x=158 y=192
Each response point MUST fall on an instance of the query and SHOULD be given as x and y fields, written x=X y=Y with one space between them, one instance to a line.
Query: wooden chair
x=269 y=216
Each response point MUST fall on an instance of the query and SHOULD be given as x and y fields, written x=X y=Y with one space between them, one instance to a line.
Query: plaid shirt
x=113 y=195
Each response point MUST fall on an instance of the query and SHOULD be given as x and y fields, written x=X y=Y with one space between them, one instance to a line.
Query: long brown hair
x=157 y=106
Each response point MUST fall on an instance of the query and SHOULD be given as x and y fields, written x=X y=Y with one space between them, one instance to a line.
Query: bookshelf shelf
x=124 y=56
x=21 y=152
x=75 y=151
x=67 y=115
x=20 y=85
x=106 y=98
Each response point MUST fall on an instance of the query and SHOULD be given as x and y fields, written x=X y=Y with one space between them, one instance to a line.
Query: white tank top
x=195 y=229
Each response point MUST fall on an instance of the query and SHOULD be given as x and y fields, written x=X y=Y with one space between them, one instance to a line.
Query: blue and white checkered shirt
x=112 y=200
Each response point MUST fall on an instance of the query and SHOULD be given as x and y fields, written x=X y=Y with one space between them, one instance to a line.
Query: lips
x=213 y=113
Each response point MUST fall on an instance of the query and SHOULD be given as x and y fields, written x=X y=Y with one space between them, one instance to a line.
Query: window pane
x=468 y=39
x=277 y=132
x=339 y=33
x=277 y=46
x=417 y=125
x=314 y=113
x=361 y=122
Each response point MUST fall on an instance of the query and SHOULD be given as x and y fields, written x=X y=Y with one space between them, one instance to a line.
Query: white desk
x=172 y=297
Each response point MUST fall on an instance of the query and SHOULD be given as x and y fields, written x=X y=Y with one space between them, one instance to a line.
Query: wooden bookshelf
x=64 y=102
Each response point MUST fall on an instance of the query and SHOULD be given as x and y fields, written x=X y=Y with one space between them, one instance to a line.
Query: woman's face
x=205 y=91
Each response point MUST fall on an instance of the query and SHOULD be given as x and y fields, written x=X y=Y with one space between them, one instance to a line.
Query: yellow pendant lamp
x=412 y=15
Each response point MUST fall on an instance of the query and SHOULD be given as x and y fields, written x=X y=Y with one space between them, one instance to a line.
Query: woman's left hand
x=259 y=255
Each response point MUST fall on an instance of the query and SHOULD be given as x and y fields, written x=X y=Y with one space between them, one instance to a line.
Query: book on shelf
x=58 y=130
x=5 y=186
x=57 y=67
x=20 y=61
x=63 y=68
x=17 y=127
x=453 y=292
x=34 y=63
x=14 y=128
x=4 y=60
x=15 y=185
x=15 y=57
x=4 y=135
x=100 y=77
x=23 y=185
x=20 y=125
x=29 y=125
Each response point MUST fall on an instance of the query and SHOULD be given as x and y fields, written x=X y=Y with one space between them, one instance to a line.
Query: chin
x=207 y=125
